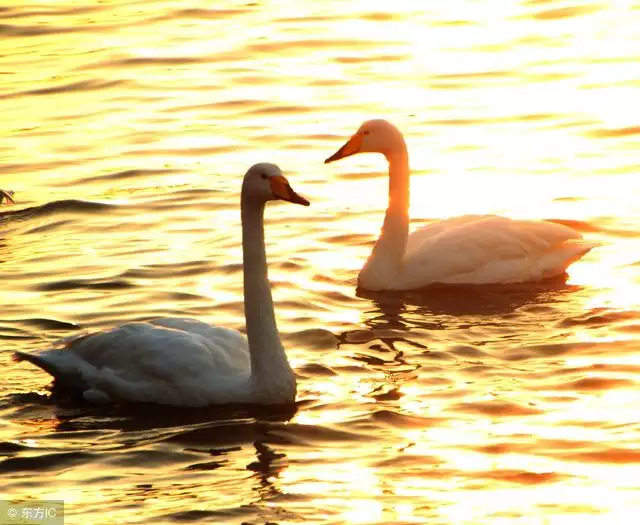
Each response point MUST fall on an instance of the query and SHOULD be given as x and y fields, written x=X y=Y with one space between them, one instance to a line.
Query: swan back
x=172 y=361
x=477 y=249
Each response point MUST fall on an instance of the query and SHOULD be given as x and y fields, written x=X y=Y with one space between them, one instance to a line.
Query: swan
x=8 y=195
x=472 y=249
x=185 y=362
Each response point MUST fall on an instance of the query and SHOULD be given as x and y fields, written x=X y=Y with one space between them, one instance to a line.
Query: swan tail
x=58 y=364
x=577 y=248
x=75 y=375
x=37 y=360
x=556 y=261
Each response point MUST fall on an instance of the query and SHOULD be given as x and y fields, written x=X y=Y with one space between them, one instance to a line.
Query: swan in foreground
x=472 y=249
x=8 y=196
x=185 y=362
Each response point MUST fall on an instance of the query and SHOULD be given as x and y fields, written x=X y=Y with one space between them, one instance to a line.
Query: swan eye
x=263 y=176
x=366 y=132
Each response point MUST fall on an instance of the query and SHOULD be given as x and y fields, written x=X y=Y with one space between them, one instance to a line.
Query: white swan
x=473 y=249
x=185 y=362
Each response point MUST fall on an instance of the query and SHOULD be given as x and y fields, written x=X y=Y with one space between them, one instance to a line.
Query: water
x=127 y=129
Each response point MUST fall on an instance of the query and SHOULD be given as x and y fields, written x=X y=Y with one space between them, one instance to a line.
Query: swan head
x=373 y=136
x=265 y=182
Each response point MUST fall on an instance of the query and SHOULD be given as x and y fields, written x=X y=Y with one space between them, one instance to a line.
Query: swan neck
x=395 y=229
x=387 y=258
x=265 y=347
x=398 y=159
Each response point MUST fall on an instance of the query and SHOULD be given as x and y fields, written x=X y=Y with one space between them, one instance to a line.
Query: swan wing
x=490 y=249
x=422 y=234
x=173 y=361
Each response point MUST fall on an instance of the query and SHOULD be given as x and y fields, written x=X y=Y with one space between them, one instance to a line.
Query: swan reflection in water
x=202 y=439
x=445 y=322
x=483 y=301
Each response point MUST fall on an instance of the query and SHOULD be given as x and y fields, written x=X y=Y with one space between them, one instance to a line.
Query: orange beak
x=351 y=147
x=282 y=190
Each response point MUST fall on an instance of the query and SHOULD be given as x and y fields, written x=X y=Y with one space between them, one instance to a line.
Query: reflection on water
x=479 y=300
x=128 y=127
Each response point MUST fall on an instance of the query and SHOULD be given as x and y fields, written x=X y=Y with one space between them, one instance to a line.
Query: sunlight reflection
x=326 y=416
x=350 y=478
x=523 y=109
x=520 y=508
x=362 y=511
x=346 y=487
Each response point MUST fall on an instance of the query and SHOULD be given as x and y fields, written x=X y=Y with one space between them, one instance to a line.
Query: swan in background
x=472 y=249
x=6 y=195
x=185 y=362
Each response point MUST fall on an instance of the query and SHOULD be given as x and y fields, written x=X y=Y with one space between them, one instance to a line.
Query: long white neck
x=386 y=259
x=270 y=370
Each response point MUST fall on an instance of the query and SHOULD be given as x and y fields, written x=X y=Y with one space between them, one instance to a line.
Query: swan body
x=472 y=249
x=185 y=362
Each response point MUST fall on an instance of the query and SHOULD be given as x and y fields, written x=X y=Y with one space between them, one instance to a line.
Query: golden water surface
x=127 y=127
